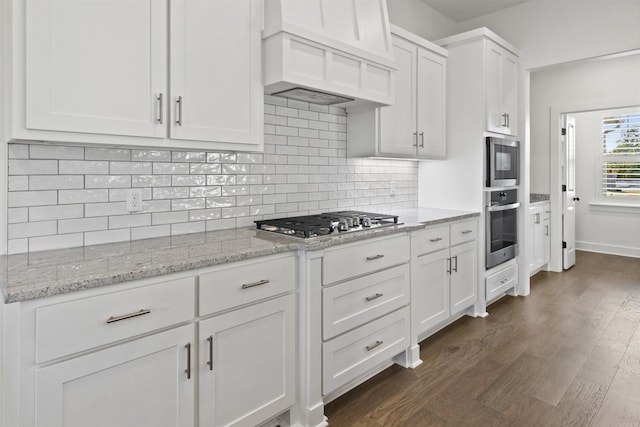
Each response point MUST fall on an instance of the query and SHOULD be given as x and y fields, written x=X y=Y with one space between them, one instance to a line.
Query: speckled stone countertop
x=538 y=197
x=26 y=277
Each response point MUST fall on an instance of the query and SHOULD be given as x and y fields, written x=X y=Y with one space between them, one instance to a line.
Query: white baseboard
x=608 y=249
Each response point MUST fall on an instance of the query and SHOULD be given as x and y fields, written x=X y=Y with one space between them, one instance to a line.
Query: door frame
x=555 y=166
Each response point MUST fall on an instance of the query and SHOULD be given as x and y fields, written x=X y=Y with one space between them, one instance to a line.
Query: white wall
x=598 y=228
x=587 y=85
x=421 y=19
x=557 y=31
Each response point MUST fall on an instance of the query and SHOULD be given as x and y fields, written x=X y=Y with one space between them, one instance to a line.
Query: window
x=620 y=157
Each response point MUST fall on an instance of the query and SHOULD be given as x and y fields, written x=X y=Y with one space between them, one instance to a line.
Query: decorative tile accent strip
x=66 y=196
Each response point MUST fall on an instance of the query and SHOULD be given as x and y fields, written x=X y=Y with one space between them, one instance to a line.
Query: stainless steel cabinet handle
x=455 y=269
x=258 y=283
x=546 y=230
x=378 y=256
x=422 y=139
x=142 y=312
x=210 y=361
x=449 y=265
x=467 y=231
x=179 y=113
x=188 y=370
x=415 y=139
x=372 y=346
x=372 y=297
x=435 y=239
x=503 y=281
x=504 y=120
x=160 y=109
x=537 y=218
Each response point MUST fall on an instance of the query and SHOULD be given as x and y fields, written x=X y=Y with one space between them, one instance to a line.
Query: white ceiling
x=462 y=10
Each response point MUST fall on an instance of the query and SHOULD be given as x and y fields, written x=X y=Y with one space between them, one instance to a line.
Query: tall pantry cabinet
x=482 y=100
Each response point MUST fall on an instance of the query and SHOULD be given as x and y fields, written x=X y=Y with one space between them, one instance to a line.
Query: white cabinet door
x=464 y=273
x=430 y=290
x=216 y=83
x=431 y=104
x=247 y=364
x=138 y=383
x=501 y=90
x=398 y=122
x=96 y=66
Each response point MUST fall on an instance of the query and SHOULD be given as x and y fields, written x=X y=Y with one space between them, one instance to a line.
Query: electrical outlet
x=134 y=200
x=392 y=188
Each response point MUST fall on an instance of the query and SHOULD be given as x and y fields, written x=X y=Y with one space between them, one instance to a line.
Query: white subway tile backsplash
x=31 y=198
x=98 y=153
x=78 y=193
x=44 y=213
x=83 y=167
x=83 y=224
x=33 y=167
x=109 y=236
x=18 y=183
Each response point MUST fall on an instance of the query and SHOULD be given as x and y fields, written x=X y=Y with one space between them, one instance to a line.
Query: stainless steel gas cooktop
x=327 y=223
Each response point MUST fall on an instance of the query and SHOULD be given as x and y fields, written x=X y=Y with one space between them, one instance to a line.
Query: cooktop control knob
x=343 y=225
x=366 y=221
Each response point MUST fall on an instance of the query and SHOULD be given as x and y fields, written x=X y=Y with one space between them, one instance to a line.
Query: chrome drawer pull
x=372 y=297
x=160 y=108
x=436 y=239
x=188 y=370
x=467 y=231
x=258 y=283
x=372 y=346
x=503 y=281
x=210 y=361
x=371 y=258
x=128 y=316
x=179 y=113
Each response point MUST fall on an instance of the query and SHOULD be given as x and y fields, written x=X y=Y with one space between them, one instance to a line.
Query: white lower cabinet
x=246 y=364
x=145 y=382
x=539 y=231
x=444 y=270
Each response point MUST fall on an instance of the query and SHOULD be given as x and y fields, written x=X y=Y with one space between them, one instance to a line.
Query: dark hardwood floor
x=566 y=355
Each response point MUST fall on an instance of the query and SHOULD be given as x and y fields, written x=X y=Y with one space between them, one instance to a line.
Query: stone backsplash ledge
x=68 y=196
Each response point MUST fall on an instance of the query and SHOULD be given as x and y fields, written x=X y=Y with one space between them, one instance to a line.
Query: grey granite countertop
x=538 y=197
x=26 y=277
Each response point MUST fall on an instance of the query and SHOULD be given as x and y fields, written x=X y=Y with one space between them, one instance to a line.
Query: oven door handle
x=497 y=208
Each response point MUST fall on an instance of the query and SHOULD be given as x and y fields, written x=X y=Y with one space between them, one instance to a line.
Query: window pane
x=621 y=135
x=621 y=178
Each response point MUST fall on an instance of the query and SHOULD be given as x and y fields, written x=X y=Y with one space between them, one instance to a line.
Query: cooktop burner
x=326 y=223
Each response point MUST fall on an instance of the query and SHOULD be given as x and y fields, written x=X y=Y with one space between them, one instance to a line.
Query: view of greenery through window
x=621 y=155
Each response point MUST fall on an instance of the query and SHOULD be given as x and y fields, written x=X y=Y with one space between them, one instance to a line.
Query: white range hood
x=314 y=50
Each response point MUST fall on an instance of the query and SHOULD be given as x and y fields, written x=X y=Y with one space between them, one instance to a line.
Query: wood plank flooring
x=566 y=355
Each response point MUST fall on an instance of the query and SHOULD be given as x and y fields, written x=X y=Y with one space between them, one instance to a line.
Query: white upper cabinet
x=164 y=73
x=95 y=67
x=415 y=126
x=502 y=94
x=215 y=83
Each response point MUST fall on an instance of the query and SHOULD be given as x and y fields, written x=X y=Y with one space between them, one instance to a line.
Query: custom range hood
x=329 y=51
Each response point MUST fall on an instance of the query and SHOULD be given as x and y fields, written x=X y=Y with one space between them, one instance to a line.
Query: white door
x=398 y=122
x=138 y=383
x=216 y=71
x=464 y=270
x=569 y=196
x=247 y=364
x=430 y=290
x=431 y=104
x=96 y=66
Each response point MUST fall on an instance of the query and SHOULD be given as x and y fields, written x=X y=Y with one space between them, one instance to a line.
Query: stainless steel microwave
x=503 y=162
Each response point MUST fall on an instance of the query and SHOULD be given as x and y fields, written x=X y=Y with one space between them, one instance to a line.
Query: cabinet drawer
x=362 y=258
x=465 y=231
x=246 y=283
x=430 y=240
x=70 y=327
x=353 y=303
x=501 y=281
x=351 y=355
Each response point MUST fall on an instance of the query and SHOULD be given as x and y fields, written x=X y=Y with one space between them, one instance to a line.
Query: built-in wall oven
x=501 y=226
x=503 y=162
